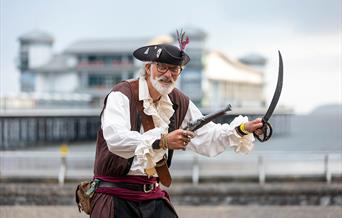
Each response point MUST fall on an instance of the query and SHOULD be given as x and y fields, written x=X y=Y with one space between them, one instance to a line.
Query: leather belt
x=131 y=186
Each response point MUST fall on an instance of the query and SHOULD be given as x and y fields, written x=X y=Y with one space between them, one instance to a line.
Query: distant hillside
x=328 y=109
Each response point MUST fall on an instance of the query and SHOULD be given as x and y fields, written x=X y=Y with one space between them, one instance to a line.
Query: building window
x=24 y=60
x=110 y=59
x=103 y=80
x=96 y=80
x=113 y=79
x=130 y=75
x=91 y=58
x=116 y=59
x=27 y=82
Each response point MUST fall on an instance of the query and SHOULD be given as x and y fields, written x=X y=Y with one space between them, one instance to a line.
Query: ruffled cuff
x=146 y=155
x=243 y=144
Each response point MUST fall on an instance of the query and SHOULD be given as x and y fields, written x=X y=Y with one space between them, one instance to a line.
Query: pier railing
x=258 y=166
x=29 y=128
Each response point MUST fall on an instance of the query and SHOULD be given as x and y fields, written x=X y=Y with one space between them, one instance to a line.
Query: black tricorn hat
x=162 y=53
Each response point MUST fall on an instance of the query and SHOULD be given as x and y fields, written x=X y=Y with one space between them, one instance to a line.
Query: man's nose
x=168 y=73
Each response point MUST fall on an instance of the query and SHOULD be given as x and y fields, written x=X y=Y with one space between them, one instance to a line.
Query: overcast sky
x=307 y=32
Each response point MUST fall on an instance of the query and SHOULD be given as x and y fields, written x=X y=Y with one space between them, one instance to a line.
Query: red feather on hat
x=182 y=40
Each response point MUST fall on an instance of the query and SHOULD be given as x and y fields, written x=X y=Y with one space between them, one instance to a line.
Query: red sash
x=132 y=195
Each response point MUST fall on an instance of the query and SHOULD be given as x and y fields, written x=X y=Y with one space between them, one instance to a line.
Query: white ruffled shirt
x=210 y=140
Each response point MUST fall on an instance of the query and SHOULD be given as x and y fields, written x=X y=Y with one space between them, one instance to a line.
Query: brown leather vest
x=110 y=164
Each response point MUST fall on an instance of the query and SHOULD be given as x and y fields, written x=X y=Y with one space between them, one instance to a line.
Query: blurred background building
x=62 y=93
x=86 y=70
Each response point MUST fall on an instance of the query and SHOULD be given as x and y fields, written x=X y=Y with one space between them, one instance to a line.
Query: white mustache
x=165 y=79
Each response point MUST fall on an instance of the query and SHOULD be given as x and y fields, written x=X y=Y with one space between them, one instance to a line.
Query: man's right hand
x=179 y=139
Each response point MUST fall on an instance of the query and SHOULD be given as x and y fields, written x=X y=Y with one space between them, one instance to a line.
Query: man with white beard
x=142 y=123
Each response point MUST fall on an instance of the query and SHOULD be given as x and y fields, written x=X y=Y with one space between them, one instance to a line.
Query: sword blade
x=277 y=91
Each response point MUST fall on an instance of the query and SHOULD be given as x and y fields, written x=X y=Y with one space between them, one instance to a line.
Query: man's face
x=163 y=76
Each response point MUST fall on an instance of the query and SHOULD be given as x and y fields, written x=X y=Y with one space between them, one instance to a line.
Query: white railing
x=185 y=165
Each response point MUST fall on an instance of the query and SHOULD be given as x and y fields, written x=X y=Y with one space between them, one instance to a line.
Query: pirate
x=142 y=123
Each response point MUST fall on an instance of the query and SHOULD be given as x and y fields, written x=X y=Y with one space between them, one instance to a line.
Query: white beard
x=159 y=87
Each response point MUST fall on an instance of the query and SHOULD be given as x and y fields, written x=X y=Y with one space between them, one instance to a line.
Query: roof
x=221 y=67
x=253 y=59
x=58 y=63
x=36 y=36
x=105 y=46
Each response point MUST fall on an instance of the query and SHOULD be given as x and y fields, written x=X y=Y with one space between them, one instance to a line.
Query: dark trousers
x=106 y=206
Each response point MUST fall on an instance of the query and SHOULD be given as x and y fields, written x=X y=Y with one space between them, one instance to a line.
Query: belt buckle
x=151 y=187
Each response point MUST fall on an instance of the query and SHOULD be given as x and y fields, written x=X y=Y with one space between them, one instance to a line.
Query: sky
x=307 y=32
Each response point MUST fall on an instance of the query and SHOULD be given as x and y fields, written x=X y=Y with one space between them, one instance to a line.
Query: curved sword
x=267 y=128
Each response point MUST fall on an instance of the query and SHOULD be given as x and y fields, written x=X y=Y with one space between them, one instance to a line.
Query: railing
x=262 y=166
x=24 y=128
x=40 y=127
x=185 y=165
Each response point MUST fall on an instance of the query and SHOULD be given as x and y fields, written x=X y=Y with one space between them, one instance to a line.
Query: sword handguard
x=267 y=132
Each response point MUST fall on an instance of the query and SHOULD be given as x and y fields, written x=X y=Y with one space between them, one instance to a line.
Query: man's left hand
x=254 y=126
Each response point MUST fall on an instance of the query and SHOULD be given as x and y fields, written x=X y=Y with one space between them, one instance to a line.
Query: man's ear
x=147 y=69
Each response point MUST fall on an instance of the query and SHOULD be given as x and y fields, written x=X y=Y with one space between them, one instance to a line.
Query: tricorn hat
x=162 y=53
x=165 y=53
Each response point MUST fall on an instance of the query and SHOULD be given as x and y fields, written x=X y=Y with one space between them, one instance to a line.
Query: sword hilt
x=266 y=130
